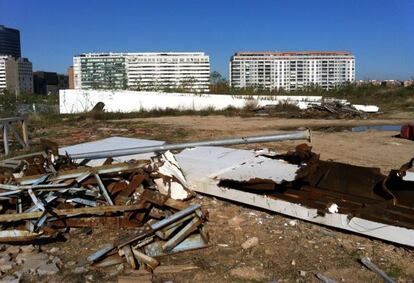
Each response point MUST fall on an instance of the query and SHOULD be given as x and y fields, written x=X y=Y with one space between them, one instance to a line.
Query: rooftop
x=292 y=53
x=142 y=54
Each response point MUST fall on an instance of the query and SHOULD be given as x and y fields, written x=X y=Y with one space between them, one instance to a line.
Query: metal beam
x=300 y=135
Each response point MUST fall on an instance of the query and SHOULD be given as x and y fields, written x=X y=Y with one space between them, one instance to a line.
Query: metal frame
x=6 y=125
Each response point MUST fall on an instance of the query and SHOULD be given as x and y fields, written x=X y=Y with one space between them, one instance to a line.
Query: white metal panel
x=108 y=144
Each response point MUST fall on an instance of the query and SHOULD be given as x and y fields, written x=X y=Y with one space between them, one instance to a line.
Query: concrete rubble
x=150 y=197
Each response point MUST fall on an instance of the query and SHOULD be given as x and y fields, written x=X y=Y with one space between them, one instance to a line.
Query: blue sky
x=380 y=33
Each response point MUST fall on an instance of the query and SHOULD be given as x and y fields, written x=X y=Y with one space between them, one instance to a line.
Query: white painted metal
x=108 y=144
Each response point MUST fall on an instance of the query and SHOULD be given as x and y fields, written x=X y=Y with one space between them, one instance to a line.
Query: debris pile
x=298 y=184
x=43 y=194
x=156 y=238
x=334 y=109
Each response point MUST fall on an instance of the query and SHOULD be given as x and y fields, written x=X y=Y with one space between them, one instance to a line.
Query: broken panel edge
x=357 y=225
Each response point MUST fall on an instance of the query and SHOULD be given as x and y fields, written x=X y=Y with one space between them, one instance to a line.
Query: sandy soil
x=288 y=251
x=371 y=148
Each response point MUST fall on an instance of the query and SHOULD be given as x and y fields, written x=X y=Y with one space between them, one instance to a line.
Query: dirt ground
x=288 y=250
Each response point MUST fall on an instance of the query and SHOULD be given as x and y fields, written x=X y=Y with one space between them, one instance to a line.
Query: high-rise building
x=291 y=70
x=16 y=75
x=10 y=42
x=142 y=71
x=25 y=75
x=100 y=71
x=49 y=82
x=8 y=73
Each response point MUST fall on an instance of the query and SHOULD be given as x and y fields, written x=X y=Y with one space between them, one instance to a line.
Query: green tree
x=218 y=84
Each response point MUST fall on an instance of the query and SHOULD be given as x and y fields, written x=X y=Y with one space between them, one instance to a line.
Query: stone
x=23 y=257
x=70 y=263
x=302 y=273
x=18 y=274
x=13 y=250
x=54 y=250
x=250 y=243
x=57 y=261
x=236 y=221
x=9 y=279
x=27 y=249
x=248 y=273
x=80 y=269
x=293 y=223
x=5 y=259
x=48 y=269
x=31 y=266
x=6 y=267
x=89 y=278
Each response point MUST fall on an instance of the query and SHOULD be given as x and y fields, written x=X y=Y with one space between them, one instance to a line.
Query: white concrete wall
x=77 y=100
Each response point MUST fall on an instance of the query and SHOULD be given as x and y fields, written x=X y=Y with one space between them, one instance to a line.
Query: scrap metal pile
x=334 y=187
x=326 y=109
x=335 y=110
x=43 y=194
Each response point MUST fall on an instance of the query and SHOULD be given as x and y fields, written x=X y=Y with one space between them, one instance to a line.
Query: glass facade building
x=105 y=71
x=9 y=42
x=142 y=71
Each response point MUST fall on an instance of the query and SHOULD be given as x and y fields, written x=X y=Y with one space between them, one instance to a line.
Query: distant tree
x=216 y=78
x=218 y=84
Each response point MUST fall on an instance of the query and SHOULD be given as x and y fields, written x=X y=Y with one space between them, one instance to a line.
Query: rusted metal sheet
x=93 y=222
x=368 y=201
x=63 y=213
x=51 y=190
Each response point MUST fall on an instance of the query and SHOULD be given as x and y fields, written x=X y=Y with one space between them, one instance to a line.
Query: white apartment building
x=16 y=75
x=142 y=71
x=291 y=70
x=3 y=81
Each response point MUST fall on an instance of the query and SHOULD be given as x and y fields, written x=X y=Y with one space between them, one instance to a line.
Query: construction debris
x=354 y=198
x=300 y=185
x=43 y=194
x=335 y=110
x=148 y=194
x=327 y=108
